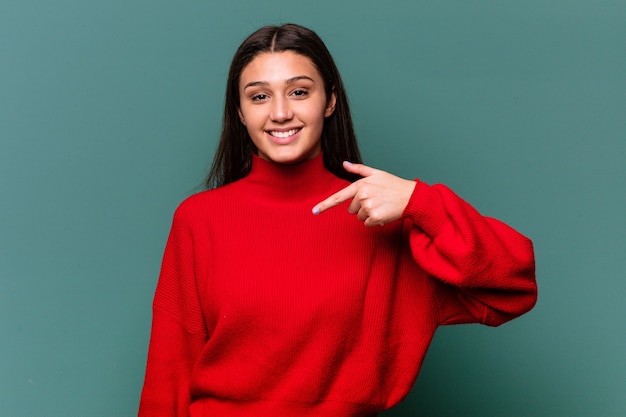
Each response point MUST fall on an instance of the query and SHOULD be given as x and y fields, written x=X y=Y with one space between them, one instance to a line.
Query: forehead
x=277 y=67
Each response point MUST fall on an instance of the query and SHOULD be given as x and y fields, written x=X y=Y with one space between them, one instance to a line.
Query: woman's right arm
x=178 y=329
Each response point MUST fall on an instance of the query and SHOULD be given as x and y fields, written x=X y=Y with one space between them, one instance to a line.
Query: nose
x=280 y=111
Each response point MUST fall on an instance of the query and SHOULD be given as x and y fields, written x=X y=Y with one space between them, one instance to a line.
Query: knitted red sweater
x=263 y=309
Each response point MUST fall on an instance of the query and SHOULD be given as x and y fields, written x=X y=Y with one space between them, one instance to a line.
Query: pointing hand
x=377 y=198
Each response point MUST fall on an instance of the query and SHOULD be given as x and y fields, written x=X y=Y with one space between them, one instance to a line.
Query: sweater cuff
x=425 y=209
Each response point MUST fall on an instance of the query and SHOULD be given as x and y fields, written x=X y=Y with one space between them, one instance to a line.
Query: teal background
x=109 y=114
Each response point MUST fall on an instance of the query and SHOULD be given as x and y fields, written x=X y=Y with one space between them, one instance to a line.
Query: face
x=283 y=105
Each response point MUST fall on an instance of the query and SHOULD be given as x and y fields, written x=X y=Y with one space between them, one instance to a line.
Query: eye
x=259 y=97
x=300 y=93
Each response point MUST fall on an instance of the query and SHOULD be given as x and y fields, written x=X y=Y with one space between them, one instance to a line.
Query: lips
x=283 y=134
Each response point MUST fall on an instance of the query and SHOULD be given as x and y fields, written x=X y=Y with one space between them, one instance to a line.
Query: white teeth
x=283 y=134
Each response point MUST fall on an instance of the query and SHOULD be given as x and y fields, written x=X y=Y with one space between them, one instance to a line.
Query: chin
x=288 y=158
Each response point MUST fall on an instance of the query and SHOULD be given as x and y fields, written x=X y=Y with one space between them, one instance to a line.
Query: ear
x=243 y=119
x=330 y=105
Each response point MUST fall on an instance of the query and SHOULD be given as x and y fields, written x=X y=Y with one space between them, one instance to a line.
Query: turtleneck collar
x=307 y=180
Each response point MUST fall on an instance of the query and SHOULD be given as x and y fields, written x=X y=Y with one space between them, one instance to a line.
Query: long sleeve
x=263 y=309
x=484 y=269
x=178 y=330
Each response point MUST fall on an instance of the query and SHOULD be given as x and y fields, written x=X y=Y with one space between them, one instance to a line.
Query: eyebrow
x=287 y=81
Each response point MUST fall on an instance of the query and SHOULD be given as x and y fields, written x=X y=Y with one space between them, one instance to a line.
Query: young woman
x=273 y=302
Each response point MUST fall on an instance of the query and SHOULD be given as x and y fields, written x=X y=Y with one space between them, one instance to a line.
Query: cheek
x=248 y=117
x=311 y=111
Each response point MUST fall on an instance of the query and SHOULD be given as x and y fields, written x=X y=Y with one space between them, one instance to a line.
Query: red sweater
x=263 y=309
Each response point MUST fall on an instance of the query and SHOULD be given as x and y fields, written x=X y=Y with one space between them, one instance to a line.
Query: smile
x=282 y=135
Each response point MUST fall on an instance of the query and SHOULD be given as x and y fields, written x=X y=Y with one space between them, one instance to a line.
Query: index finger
x=334 y=200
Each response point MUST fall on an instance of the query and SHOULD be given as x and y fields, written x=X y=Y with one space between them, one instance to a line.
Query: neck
x=297 y=182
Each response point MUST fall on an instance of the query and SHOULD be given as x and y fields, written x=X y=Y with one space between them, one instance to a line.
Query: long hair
x=233 y=157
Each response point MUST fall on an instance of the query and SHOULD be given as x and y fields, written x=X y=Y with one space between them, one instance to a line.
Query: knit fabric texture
x=264 y=309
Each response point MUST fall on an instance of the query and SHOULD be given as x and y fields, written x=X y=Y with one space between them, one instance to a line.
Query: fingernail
x=348 y=163
x=316 y=211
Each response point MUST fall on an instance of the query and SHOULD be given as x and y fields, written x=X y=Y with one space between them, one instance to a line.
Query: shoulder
x=201 y=204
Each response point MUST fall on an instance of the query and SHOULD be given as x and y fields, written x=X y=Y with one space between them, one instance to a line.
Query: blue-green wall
x=109 y=113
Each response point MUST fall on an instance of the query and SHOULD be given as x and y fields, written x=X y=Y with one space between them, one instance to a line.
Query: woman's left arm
x=484 y=268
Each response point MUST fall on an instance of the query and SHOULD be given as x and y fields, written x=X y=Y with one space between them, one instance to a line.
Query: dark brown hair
x=233 y=157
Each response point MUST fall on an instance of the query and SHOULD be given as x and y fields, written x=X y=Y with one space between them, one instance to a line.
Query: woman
x=271 y=302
